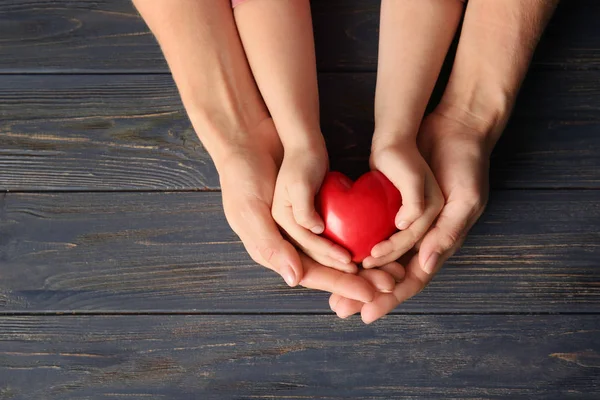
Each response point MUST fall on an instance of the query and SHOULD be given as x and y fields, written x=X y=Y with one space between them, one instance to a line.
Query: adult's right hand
x=248 y=173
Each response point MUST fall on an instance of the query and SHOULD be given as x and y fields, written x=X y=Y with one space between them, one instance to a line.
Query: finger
x=394 y=269
x=383 y=281
x=318 y=248
x=348 y=307
x=409 y=181
x=448 y=234
x=333 y=300
x=263 y=241
x=302 y=198
x=401 y=242
x=412 y=284
x=380 y=280
x=319 y=277
x=412 y=189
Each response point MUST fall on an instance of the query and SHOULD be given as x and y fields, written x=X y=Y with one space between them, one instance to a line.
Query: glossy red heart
x=360 y=214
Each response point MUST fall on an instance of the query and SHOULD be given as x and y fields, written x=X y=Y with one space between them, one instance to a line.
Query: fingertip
x=368 y=316
x=405 y=218
x=402 y=224
x=380 y=279
x=351 y=268
x=289 y=277
x=344 y=257
x=317 y=229
x=347 y=307
x=307 y=217
x=382 y=249
x=431 y=263
x=291 y=261
x=368 y=262
x=333 y=301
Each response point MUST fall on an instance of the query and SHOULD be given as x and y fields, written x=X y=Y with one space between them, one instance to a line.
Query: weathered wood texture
x=130 y=132
x=533 y=251
x=299 y=357
x=108 y=35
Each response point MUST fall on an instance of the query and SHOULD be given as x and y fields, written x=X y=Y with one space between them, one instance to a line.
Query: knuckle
x=266 y=252
x=303 y=217
x=452 y=237
x=475 y=199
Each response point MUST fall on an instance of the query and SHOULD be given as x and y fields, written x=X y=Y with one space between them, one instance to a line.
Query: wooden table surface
x=120 y=279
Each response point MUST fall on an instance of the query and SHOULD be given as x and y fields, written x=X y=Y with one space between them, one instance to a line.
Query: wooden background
x=119 y=277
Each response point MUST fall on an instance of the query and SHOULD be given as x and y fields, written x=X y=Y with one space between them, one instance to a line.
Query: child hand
x=422 y=199
x=300 y=177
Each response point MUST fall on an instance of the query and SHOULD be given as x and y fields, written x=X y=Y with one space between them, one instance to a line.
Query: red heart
x=360 y=214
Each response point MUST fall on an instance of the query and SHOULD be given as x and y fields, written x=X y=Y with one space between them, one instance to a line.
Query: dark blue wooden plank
x=532 y=251
x=299 y=357
x=109 y=36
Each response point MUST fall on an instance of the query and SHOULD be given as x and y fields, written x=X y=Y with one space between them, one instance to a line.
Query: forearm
x=204 y=52
x=496 y=46
x=278 y=40
x=414 y=39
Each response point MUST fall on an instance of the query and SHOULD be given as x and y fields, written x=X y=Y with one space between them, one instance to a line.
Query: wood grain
x=299 y=357
x=130 y=132
x=108 y=36
x=533 y=251
x=92 y=132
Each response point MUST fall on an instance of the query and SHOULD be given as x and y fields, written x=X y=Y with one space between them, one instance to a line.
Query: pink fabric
x=236 y=2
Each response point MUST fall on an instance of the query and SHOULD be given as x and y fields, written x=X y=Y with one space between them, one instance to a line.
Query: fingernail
x=402 y=225
x=431 y=263
x=368 y=321
x=334 y=305
x=317 y=230
x=384 y=290
x=289 y=276
x=343 y=258
x=342 y=316
x=377 y=252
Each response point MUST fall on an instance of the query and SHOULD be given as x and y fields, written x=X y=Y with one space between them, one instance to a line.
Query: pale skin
x=278 y=40
x=495 y=49
x=447 y=176
x=227 y=111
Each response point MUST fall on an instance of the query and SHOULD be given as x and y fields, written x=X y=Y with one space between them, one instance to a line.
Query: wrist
x=396 y=139
x=226 y=139
x=481 y=114
x=308 y=143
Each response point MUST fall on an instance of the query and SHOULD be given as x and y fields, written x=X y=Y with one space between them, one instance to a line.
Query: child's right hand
x=298 y=182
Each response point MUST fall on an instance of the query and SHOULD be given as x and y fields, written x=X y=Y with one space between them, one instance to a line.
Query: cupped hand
x=300 y=177
x=459 y=157
x=248 y=174
x=422 y=198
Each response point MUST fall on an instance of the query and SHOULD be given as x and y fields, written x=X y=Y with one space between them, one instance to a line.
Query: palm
x=459 y=161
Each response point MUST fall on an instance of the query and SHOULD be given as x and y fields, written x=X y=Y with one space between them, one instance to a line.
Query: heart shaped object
x=360 y=214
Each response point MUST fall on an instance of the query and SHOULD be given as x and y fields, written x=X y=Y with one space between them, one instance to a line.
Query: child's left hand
x=300 y=178
x=422 y=199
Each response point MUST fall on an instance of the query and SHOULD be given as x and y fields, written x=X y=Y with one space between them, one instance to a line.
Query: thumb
x=302 y=199
x=265 y=244
x=409 y=181
x=448 y=234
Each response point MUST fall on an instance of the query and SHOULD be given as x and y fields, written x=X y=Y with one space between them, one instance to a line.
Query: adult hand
x=229 y=115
